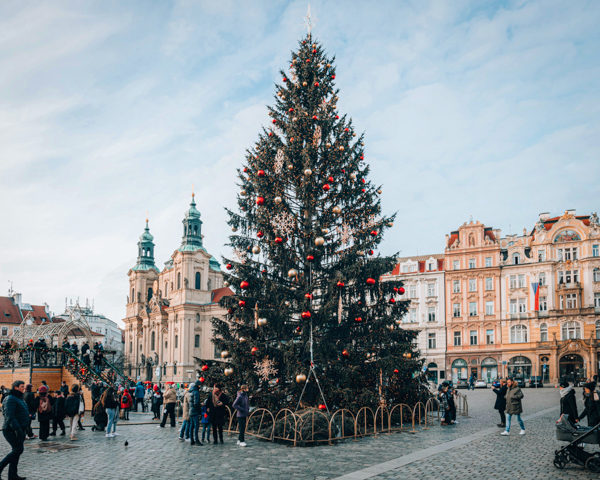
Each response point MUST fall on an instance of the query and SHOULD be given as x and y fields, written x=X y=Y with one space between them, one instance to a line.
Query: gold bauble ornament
x=390 y=224
x=319 y=241
x=278 y=93
x=379 y=192
x=290 y=167
x=300 y=378
x=257 y=147
x=224 y=354
x=225 y=283
x=292 y=273
x=262 y=322
x=277 y=200
x=353 y=176
x=337 y=209
x=314 y=45
x=398 y=321
x=306 y=114
x=243 y=193
x=341 y=149
x=328 y=145
x=228 y=371
x=390 y=327
x=360 y=253
x=325 y=231
x=243 y=209
x=234 y=229
x=256 y=249
x=304 y=84
x=308 y=172
x=329 y=65
x=354 y=134
x=362 y=144
x=294 y=119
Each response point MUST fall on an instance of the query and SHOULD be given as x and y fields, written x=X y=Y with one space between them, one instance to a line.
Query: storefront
x=519 y=367
x=432 y=372
x=572 y=368
x=489 y=369
x=545 y=365
x=459 y=370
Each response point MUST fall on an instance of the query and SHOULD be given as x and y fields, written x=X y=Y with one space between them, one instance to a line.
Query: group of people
x=447 y=397
x=591 y=403
x=89 y=356
x=508 y=403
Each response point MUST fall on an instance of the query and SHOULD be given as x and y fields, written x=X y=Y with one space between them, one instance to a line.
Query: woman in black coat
x=500 y=404
x=216 y=404
x=568 y=403
x=591 y=401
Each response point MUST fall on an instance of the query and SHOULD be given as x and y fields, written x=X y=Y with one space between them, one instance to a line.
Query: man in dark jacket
x=16 y=420
x=500 y=404
x=98 y=356
x=59 y=412
x=195 y=410
x=64 y=388
x=216 y=405
x=591 y=402
x=32 y=404
x=242 y=405
x=568 y=403
x=96 y=393
x=139 y=396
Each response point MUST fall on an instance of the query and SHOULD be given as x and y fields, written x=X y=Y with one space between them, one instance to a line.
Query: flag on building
x=536 y=293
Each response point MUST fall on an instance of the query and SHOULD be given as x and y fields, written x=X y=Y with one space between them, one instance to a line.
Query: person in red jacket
x=126 y=404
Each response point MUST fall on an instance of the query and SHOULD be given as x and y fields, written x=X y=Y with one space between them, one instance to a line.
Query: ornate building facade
x=472 y=276
x=168 y=320
x=423 y=279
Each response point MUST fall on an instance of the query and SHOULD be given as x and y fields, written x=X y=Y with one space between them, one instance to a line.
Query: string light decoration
x=311 y=314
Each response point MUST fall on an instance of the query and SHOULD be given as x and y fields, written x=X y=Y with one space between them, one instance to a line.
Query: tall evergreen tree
x=304 y=265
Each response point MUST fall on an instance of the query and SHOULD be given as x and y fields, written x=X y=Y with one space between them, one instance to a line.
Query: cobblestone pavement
x=153 y=453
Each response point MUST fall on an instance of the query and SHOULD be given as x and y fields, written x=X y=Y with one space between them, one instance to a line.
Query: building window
x=456 y=286
x=571 y=300
x=597 y=300
x=130 y=347
x=166 y=288
x=541 y=255
x=456 y=310
x=176 y=341
x=455 y=265
x=4 y=331
x=543 y=304
x=431 y=289
x=431 y=314
x=457 y=339
x=431 y=340
x=595 y=250
x=178 y=280
x=473 y=337
x=489 y=283
x=472 y=263
x=149 y=294
x=488 y=262
x=413 y=315
x=596 y=274
x=542 y=279
x=489 y=307
x=513 y=306
x=543 y=332
x=575 y=253
x=597 y=329
x=404 y=268
x=132 y=295
x=489 y=337
x=513 y=281
x=198 y=278
x=152 y=340
x=196 y=341
x=472 y=285
x=472 y=309
x=522 y=305
x=430 y=267
x=412 y=268
x=571 y=330
x=521 y=281
x=518 y=334
x=516 y=259
x=413 y=291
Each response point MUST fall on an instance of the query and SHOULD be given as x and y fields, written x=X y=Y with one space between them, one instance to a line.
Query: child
x=126 y=403
x=205 y=422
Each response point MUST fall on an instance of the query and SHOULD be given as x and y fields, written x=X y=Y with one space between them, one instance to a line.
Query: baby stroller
x=574 y=451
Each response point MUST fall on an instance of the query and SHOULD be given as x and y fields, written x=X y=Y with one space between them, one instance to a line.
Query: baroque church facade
x=169 y=312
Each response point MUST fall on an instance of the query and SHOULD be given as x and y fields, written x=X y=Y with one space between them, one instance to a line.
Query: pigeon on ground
x=126 y=443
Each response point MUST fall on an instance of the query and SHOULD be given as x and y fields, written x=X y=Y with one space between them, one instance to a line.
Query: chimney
x=17 y=300
x=544 y=216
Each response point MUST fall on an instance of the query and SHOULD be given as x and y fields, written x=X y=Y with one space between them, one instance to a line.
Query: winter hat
x=563 y=384
x=43 y=389
x=591 y=386
x=156 y=388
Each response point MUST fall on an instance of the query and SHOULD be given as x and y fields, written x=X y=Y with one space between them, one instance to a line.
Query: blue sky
x=110 y=109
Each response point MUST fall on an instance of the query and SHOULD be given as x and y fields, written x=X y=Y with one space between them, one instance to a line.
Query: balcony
x=569 y=286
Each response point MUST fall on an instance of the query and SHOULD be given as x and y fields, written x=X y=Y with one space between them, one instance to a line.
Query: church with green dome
x=169 y=312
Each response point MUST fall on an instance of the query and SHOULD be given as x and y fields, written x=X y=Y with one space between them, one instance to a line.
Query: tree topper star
x=309 y=21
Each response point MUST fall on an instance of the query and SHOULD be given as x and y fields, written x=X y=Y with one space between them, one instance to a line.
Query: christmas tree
x=308 y=294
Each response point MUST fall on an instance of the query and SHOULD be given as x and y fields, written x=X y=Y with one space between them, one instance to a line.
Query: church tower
x=145 y=260
x=192 y=229
x=144 y=273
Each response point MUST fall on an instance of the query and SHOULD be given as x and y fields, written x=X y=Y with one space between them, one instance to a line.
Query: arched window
x=571 y=330
x=132 y=295
x=143 y=252
x=166 y=345
x=198 y=278
x=166 y=288
x=597 y=329
x=197 y=318
x=543 y=332
x=518 y=334
x=178 y=280
x=149 y=294
x=152 y=340
x=197 y=341
x=176 y=341
x=596 y=274
x=516 y=259
x=542 y=279
x=175 y=367
x=195 y=229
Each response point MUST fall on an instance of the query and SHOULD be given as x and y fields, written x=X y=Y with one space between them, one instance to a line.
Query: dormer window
x=516 y=259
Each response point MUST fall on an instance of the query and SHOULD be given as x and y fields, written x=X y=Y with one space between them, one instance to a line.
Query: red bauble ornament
x=371 y=252
x=204 y=368
x=363 y=190
x=242 y=303
x=261 y=173
x=306 y=315
x=310 y=258
x=363 y=180
x=260 y=201
x=358 y=319
x=314 y=51
x=337 y=117
x=343 y=171
x=230 y=311
x=345 y=353
x=284 y=79
x=326 y=187
x=314 y=117
x=229 y=266
x=316 y=84
x=322 y=407
x=298 y=329
x=270 y=134
x=370 y=281
x=330 y=179
x=278 y=240
x=244 y=285
x=245 y=169
x=263 y=271
x=260 y=234
x=254 y=350
x=346 y=129
x=401 y=290
x=274 y=121
x=392 y=300
x=308 y=60
x=340 y=284
x=373 y=233
x=396 y=370
x=333 y=77
x=291 y=110
x=395 y=289
x=202 y=380
x=308 y=295
x=303 y=42
x=362 y=157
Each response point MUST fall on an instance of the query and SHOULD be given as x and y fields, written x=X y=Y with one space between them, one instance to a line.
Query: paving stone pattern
x=153 y=453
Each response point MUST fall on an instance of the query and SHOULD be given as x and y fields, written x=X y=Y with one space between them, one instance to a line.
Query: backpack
x=45 y=405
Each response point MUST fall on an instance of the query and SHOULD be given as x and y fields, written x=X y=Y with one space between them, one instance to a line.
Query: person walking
x=111 y=405
x=126 y=403
x=44 y=412
x=139 y=396
x=16 y=420
x=242 y=405
x=98 y=356
x=157 y=401
x=568 y=402
x=59 y=411
x=500 y=404
x=514 y=406
x=205 y=421
x=64 y=389
x=184 y=433
x=32 y=403
x=217 y=403
x=72 y=409
x=591 y=403
x=444 y=406
x=195 y=409
x=471 y=382
x=170 y=400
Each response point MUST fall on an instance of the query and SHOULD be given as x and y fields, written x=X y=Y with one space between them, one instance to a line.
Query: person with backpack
x=32 y=403
x=44 y=412
x=72 y=409
x=184 y=433
x=242 y=405
x=59 y=411
x=16 y=420
x=126 y=403
x=514 y=406
x=139 y=396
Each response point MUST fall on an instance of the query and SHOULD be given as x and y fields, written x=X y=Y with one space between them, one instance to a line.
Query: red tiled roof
x=39 y=313
x=219 y=293
x=9 y=312
x=453 y=238
x=396 y=270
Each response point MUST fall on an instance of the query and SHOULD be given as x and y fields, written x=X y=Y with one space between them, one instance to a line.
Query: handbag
x=81 y=405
